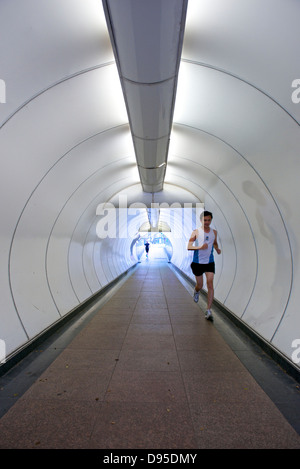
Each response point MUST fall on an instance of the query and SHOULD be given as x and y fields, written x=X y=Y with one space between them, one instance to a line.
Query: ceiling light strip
x=147 y=39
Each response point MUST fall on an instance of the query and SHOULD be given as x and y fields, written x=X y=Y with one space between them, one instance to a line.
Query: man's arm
x=191 y=246
x=216 y=246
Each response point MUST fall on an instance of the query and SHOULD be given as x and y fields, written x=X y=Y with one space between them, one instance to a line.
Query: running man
x=203 y=241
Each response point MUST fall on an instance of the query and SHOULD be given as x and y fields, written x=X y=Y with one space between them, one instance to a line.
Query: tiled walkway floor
x=147 y=371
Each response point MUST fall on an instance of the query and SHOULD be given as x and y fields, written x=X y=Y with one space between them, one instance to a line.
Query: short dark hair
x=206 y=214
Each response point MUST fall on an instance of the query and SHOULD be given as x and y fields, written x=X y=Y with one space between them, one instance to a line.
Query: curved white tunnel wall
x=66 y=148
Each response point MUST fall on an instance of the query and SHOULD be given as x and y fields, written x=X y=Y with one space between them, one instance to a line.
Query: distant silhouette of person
x=147 y=245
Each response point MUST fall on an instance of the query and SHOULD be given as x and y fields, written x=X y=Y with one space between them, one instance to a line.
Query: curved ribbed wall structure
x=67 y=150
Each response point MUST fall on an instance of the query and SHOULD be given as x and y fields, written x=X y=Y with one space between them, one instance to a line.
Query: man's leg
x=198 y=287
x=210 y=288
x=210 y=292
x=199 y=283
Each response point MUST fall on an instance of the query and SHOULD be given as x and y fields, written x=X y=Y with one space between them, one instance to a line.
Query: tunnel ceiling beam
x=147 y=39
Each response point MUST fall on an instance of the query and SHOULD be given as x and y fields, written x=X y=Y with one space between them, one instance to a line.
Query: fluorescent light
x=147 y=41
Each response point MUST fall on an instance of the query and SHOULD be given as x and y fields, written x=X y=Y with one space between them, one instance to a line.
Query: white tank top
x=204 y=256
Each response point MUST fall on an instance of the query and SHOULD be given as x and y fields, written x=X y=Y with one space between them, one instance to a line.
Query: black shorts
x=200 y=269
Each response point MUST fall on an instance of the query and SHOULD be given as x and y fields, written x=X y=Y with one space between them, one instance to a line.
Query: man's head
x=206 y=218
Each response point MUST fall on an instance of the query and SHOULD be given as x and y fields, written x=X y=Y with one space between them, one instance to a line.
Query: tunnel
x=122 y=121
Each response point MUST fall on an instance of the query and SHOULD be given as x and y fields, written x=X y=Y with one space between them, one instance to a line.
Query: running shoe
x=208 y=315
x=196 y=296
